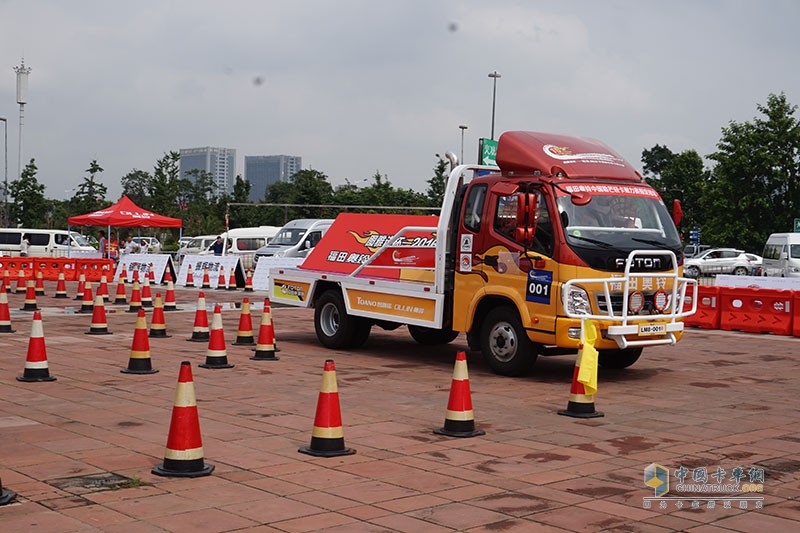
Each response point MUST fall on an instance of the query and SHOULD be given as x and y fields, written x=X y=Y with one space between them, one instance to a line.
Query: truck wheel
x=432 y=336
x=618 y=358
x=740 y=271
x=362 y=328
x=504 y=343
x=334 y=327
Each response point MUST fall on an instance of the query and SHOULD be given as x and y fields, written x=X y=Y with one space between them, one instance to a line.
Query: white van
x=46 y=243
x=244 y=242
x=296 y=239
x=781 y=257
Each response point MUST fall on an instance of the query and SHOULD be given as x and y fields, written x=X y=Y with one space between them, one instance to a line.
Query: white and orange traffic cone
x=327 y=436
x=206 y=280
x=21 y=285
x=81 y=285
x=151 y=274
x=139 y=361
x=136 y=297
x=189 y=277
x=121 y=296
x=87 y=304
x=265 y=348
x=30 y=298
x=248 y=282
x=99 y=324
x=221 y=279
x=102 y=289
x=184 y=453
x=39 y=287
x=36 y=368
x=5 y=314
x=244 y=335
x=158 y=326
x=459 y=420
x=232 y=280
x=169 y=297
x=61 y=286
x=217 y=354
x=200 y=332
x=123 y=273
x=7 y=280
x=147 y=295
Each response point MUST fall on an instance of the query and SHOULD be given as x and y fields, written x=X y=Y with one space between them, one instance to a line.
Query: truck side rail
x=396 y=243
x=631 y=324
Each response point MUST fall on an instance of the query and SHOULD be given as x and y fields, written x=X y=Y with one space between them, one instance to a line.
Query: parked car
x=148 y=245
x=782 y=255
x=296 y=239
x=718 y=261
x=755 y=262
x=693 y=250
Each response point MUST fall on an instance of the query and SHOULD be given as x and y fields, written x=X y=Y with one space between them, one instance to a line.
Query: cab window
x=505 y=222
x=473 y=208
x=39 y=239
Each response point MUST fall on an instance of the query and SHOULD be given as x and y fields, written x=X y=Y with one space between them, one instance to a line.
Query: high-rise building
x=264 y=170
x=219 y=162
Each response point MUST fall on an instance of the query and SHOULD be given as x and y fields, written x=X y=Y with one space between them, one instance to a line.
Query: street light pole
x=494 y=75
x=22 y=97
x=5 y=171
x=462 y=127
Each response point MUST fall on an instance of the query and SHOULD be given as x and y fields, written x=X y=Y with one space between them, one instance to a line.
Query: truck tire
x=362 y=328
x=504 y=343
x=335 y=328
x=430 y=336
x=618 y=358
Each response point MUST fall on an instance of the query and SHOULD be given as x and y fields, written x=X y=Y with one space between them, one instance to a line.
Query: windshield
x=622 y=217
x=794 y=251
x=288 y=237
x=80 y=240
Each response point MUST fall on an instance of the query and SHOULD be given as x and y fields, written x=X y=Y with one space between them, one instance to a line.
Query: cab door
x=470 y=276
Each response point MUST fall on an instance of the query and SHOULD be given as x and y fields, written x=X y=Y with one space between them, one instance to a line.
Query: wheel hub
x=504 y=342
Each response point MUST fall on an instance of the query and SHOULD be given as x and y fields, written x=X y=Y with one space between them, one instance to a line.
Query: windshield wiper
x=598 y=242
x=654 y=242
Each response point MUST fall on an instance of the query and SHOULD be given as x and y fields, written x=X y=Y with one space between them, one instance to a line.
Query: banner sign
x=141 y=262
x=757 y=282
x=213 y=264
x=265 y=264
x=354 y=237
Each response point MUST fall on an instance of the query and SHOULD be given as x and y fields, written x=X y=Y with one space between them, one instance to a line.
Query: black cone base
x=146 y=304
x=86 y=310
x=172 y=308
x=265 y=356
x=200 y=337
x=98 y=331
x=6 y=496
x=7 y=329
x=120 y=301
x=244 y=341
x=459 y=428
x=139 y=366
x=580 y=410
x=215 y=366
x=178 y=470
x=159 y=334
x=320 y=447
x=61 y=296
x=31 y=307
x=130 y=371
x=33 y=379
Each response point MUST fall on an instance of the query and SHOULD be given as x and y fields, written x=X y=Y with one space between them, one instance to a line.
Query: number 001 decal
x=540 y=282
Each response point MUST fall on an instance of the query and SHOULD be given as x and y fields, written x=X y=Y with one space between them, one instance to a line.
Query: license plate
x=648 y=330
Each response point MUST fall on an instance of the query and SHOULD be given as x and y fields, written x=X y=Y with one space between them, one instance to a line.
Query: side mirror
x=784 y=255
x=677 y=212
x=527 y=206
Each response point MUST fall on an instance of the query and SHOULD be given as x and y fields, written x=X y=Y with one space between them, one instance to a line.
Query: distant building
x=219 y=162
x=264 y=170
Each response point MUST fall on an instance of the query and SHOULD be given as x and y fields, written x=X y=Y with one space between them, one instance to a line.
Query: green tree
x=30 y=207
x=754 y=187
x=437 y=184
x=136 y=186
x=91 y=194
x=164 y=187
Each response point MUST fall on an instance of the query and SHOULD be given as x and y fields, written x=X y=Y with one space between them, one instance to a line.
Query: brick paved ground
x=718 y=399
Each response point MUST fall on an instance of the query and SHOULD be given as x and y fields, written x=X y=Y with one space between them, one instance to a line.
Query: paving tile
x=317 y=522
x=580 y=519
x=372 y=492
x=206 y=520
x=458 y=516
x=272 y=509
x=409 y=524
x=755 y=522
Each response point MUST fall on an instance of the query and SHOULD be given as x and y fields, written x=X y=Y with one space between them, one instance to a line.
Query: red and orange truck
x=561 y=231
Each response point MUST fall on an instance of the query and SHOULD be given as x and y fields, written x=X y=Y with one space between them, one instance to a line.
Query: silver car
x=718 y=261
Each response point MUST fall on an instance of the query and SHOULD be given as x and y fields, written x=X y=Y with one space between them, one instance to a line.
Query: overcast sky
x=355 y=87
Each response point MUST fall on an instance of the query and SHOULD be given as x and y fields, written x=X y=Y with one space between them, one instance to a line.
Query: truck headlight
x=578 y=301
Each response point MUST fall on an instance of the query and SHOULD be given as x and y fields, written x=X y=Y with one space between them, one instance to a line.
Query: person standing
x=130 y=246
x=24 y=245
x=103 y=245
x=217 y=246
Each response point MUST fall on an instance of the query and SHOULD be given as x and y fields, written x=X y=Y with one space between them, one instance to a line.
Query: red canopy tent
x=125 y=214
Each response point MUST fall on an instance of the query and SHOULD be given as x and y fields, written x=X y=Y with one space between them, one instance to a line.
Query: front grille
x=617 y=302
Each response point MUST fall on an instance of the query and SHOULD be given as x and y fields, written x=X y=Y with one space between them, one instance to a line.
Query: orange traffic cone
x=206 y=281
x=102 y=289
x=121 y=297
x=99 y=325
x=39 y=287
x=158 y=326
x=265 y=349
x=61 y=286
x=232 y=280
x=21 y=282
x=81 y=285
x=87 y=303
x=139 y=362
x=184 y=453
x=5 y=315
x=189 y=277
x=217 y=354
x=221 y=279
x=200 y=332
x=7 y=280
x=248 y=283
x=151 y=274
x=244 y=335
x=581 y=401
x=327 y=437
x=459 y=420
x=30 y=298
x=147 y=296
x=123 y=273
x=6 y=495
x=36 y=368
x=136 y=297
x=169 y=298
